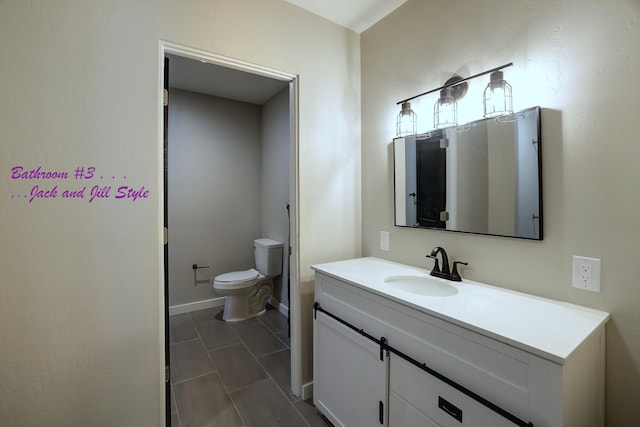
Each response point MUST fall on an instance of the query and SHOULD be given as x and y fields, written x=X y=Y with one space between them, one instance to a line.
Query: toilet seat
x=237 y=279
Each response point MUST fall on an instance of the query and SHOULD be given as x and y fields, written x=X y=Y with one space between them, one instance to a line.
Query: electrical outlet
x=384 y=240
x=586 y=273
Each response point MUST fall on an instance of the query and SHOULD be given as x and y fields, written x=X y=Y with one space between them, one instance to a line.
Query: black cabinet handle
x=450 y=408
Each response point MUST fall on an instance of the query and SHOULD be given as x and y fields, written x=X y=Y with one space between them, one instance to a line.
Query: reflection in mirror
x=483 y=177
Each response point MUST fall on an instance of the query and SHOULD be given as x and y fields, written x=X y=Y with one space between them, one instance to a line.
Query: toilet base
x=239 y=319
x=246 y=306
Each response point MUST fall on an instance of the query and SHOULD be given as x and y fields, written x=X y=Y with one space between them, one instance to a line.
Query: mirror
x=483 y=177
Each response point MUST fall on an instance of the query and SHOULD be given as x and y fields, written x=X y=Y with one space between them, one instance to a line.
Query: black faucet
x=445 y=273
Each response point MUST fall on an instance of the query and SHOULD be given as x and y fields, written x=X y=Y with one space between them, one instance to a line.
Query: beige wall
x=580 y=61
x=80 y=283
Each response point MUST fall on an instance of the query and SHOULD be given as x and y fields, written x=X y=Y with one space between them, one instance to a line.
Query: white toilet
x=247 y=291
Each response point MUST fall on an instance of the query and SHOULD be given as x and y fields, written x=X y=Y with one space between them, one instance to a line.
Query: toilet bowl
x=246 y=292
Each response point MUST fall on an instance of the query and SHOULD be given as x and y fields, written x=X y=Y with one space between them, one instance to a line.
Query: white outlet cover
x=384 y=240
x=586 y=273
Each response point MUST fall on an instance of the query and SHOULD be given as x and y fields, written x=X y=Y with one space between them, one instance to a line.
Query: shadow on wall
x=620 y=369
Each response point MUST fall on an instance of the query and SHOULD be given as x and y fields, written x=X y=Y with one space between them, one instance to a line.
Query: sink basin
x=421 y=285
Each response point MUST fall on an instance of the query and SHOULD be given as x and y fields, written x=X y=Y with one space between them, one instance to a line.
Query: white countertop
x=548 y=328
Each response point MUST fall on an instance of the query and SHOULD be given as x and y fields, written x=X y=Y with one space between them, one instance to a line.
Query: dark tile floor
x=234 y=374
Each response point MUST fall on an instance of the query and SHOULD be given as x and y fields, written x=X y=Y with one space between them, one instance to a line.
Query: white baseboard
x=195 y=306
x=284 y=310
x=217 y=302
x=279 y=306
x=307 y=391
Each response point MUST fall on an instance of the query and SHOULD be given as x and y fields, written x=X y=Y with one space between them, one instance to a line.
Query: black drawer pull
x=450 y=408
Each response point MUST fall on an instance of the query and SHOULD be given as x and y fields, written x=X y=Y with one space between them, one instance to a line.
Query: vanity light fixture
x=498 y=101
x=498 y=98
x=445 y=110
x=407 y=121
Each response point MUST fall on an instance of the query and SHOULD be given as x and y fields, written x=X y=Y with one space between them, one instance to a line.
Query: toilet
x=247 y=291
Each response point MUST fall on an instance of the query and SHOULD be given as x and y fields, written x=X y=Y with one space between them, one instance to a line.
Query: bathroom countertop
x=548 y=328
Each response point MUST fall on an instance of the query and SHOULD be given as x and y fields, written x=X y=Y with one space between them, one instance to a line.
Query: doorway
x=431 y=174
x=243 y=82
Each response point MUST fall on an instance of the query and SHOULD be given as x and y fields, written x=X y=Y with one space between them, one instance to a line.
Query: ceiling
x=216 y=80
x=357 y=15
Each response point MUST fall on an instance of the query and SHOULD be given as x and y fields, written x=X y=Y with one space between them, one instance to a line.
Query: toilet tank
x=268 y=255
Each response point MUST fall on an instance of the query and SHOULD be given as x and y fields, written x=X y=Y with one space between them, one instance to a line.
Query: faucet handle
x=455 y=276
x=436 y=266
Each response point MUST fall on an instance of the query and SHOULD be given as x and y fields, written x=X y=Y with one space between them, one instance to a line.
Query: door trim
x=168 y=47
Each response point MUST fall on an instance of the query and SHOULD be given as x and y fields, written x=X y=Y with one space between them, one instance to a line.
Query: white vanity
x=396 y=347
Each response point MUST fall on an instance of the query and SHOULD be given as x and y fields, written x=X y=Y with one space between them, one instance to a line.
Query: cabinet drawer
x=403 y=414
x=417 y=399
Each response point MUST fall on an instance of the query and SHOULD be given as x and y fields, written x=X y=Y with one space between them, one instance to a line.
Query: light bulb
x=498 y=99
x=445 y=111
x=407 y=121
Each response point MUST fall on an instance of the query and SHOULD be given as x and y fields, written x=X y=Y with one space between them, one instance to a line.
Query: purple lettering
x=15 y=172
x=74 y=194
x=37 y=193
x=98 y=192
x=131 y=193
x=18 y=172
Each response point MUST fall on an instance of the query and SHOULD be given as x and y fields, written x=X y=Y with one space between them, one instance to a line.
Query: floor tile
x=257 y=337
x=274 y=320
x=261 y=344
x=263 y=405
x=284 y=337
x=278 y=366
x=205 y=315
x=181 y=328
x=203 y=387
x=237 y=367
x=173 y=402
x=204 y=402
x=216 y=334
x=310 y=414
x=189 y=359
x=248 y=327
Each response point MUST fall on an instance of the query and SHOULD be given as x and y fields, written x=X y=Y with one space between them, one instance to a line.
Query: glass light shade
x=498 y=98
x=445 y=111
x=407 y=121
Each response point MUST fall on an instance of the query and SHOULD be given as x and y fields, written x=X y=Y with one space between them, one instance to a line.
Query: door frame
x=295 y=316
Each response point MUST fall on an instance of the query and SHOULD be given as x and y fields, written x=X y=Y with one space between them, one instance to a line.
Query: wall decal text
x=81 y=183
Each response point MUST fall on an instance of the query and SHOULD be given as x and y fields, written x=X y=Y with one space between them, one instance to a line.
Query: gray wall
x=276 y=182
x=215 y=201
x=229 y=167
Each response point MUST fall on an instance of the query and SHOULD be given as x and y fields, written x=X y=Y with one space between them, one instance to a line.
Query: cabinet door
x=350 y=380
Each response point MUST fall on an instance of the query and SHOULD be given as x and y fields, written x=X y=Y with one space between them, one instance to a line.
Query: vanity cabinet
x=436 y=368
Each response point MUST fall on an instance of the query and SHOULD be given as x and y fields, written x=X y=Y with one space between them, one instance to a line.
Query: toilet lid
x=238 y=276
